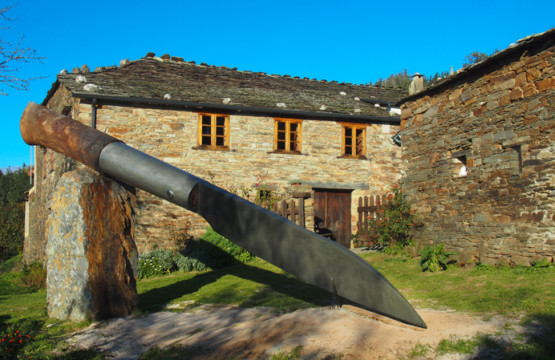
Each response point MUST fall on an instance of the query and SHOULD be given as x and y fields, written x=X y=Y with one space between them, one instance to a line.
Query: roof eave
x=55 y=85
x=236 y=109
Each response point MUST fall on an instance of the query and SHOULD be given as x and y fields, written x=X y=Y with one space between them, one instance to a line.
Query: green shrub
x=12 y=222
x=34 y=276
x=395 y=220
x=12 y=342
x=181 y=237
x=15 y=338
x=190 y=263
x=218 y=252
x=435 y=258
x=295 y=353
x=211 y=251
x=14 y=263
x=13 y=186
x=156 y=263
x=542 y=264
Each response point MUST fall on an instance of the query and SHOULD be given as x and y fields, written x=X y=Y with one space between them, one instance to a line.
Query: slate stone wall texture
x=500 y=122
x=91 y=257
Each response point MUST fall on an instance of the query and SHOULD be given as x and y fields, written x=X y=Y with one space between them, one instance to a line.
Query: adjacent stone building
x=254 y=134
x=479 y=156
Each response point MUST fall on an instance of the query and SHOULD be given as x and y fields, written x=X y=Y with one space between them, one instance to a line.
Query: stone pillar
x=91 y=255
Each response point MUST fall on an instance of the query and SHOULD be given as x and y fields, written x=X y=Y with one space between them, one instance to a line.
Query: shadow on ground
x=277 y=284
x=537 y=342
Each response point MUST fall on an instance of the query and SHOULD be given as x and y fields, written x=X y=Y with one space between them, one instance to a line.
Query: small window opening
x=66 y=110
x=460 y=168
x=515 y=161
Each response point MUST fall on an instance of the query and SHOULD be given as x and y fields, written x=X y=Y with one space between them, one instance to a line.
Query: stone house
x=479 y=156
x=251 y=133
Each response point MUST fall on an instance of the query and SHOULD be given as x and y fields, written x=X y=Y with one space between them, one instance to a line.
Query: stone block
x=545 y=84
x=520 y=79
x=507 y=84
x=91 y=256
x=464 y=256
x=516 y=94
x=487 y=260
x=520 y=260
x=529 y=89
x=533 y=74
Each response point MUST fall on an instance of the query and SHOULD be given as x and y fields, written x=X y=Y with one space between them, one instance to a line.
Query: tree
x=476 y=57
x=11 y=56
x=473 y=58
x=430 y=80
x=13 y=186
x=400 y=80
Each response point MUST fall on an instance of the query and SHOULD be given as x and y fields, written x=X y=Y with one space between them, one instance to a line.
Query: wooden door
x=332 y=215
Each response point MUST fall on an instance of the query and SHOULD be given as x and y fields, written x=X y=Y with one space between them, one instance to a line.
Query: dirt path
x=226 y=332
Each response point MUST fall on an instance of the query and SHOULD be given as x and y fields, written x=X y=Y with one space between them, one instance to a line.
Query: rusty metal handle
x=45 y=127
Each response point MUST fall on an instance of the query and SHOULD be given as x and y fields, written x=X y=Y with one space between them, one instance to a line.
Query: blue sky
x=347 y=41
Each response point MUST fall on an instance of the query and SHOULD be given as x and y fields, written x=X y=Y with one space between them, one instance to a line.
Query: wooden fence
x=290 y=210
x=367 y=209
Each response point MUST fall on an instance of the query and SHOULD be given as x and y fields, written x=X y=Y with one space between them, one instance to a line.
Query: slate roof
x=174 y=81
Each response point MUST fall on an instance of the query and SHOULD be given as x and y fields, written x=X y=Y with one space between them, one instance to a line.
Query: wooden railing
x=292 y=209
x=367 y=209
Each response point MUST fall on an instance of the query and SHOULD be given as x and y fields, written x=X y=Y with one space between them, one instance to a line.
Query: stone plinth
x=91 y=256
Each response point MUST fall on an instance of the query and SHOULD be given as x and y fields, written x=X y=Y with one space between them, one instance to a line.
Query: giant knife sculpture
x=309 y=256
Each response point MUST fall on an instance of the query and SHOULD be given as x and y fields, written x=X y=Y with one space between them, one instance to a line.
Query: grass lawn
x=486 y=290
x=247 y=285
x=509 y=292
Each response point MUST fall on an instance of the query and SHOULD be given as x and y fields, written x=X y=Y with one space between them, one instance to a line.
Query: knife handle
x=45 y=127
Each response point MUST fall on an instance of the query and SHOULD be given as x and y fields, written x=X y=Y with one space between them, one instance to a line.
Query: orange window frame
x=213 y=131
x=288 y=135
x=353 y=140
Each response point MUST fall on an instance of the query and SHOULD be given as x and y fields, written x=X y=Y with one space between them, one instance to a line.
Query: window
x=287 y=135
x=354 y=140
x=213 y=131
x=459 y=166
x=515 y=161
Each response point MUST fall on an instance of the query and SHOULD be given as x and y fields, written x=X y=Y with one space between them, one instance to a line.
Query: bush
x=190 y=263
x=12 y=342
x=434 y=258
x=181 y=237
x=156 y=263
x=211 y=251
x=13 y=186
x=12 y=222
x=218 y=251
x=395 y=220
x=34 y=276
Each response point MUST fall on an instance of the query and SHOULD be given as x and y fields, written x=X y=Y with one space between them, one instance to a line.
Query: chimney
x=417 y=84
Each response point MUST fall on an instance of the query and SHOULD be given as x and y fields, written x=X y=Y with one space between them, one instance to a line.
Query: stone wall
x=500 y=122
